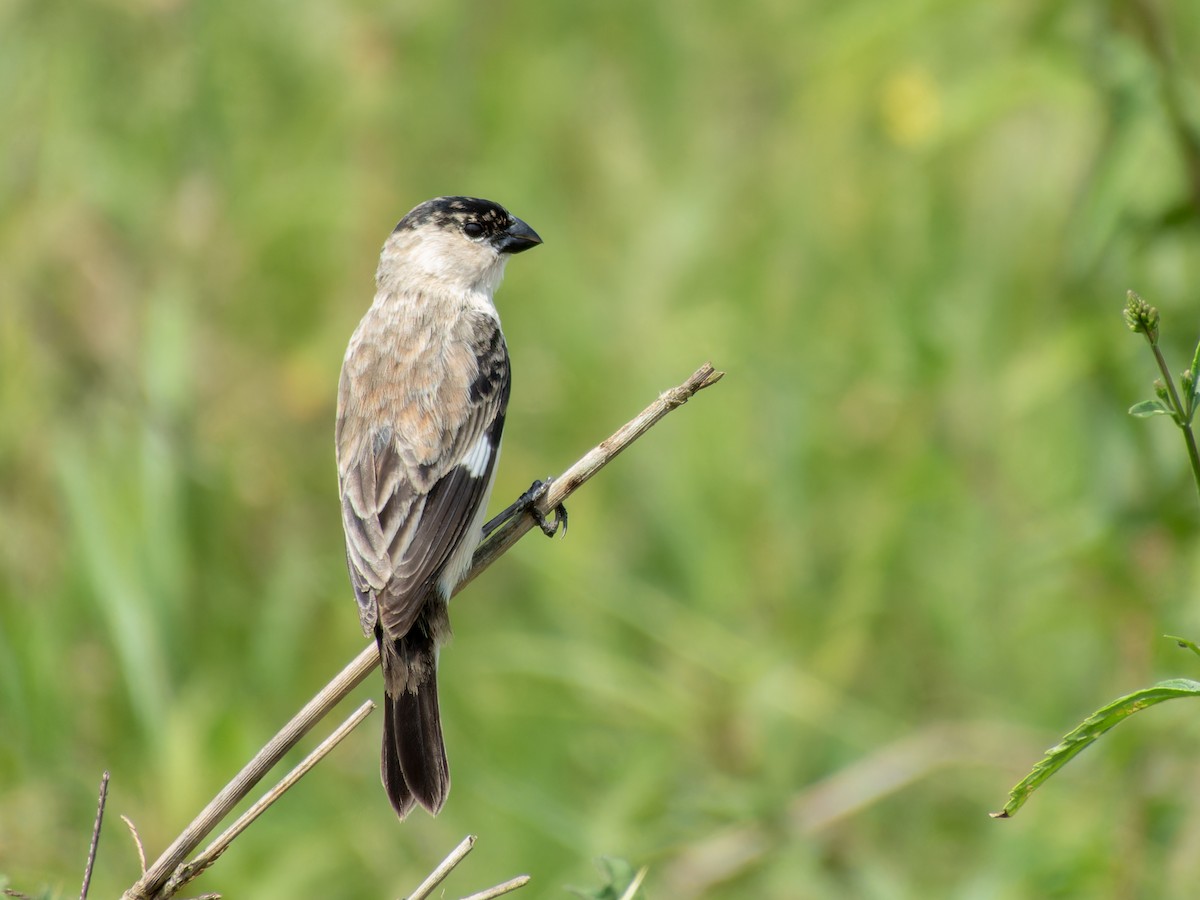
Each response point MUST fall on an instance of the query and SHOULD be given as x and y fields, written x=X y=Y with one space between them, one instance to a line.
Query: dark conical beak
x=517 y=238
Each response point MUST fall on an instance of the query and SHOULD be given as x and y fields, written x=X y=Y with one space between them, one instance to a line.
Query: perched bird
x=421 y=404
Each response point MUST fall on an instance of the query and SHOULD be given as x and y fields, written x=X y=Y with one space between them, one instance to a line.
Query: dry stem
x=91 y=858
x=501 y=889
x=192 y=870
x=157 y=883
x=446 y=866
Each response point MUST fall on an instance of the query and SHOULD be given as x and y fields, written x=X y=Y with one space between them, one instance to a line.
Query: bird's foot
x=527 y=503
x=530 y=499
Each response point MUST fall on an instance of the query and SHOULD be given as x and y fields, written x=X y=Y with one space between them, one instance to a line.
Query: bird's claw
x=529 y=501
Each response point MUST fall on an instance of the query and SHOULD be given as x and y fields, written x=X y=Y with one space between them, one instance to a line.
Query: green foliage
x=1090 y=729
x=800 y=637
x=1142 y=319
x=619 y=877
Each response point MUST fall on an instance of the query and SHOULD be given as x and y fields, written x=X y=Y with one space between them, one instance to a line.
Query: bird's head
x=454 y=244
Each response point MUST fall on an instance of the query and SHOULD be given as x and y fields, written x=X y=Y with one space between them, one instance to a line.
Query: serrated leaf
x=1089 y=730
x=1148 y=408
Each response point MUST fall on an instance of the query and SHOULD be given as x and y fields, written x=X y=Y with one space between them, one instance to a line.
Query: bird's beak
x=518 y=238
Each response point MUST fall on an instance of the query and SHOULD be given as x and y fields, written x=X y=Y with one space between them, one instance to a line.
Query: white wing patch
x=459 y=564
x=477 y=458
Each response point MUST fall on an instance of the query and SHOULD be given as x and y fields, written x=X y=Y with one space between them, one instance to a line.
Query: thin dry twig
x=444 y=868
x=151 y=886
x=91 y=857
x=631 y=891
x=501 y=889
x=137 y=841
x=214 y=850
x=589 y=464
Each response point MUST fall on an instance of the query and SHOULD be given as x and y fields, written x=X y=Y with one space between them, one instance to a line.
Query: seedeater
x=421 y=404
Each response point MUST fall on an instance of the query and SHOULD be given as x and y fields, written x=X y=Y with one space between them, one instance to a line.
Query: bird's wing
x=408 y=500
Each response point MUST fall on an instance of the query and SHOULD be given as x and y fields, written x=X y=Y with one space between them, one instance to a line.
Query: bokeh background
x=803 y=636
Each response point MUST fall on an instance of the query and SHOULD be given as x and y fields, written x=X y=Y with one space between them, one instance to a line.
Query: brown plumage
x=421 y=405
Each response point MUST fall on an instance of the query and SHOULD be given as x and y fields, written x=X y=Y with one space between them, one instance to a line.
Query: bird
x=422 y=397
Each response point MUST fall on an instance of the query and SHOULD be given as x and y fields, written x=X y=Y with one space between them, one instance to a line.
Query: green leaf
x=1089 y=730
x=1184 y=643
x=1149 y=408
x=1194 y=383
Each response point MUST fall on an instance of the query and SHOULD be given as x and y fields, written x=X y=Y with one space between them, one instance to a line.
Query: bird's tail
x=413 y=761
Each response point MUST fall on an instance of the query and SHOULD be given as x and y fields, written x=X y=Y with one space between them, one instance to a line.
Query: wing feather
x=406 y=512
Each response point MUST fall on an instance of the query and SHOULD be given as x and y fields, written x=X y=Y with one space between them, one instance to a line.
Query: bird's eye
x=473 y=229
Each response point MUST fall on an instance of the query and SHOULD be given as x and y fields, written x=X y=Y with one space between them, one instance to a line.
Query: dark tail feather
x=413 y=761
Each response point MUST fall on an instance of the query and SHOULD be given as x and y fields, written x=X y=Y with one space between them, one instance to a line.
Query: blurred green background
x=802 y=637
